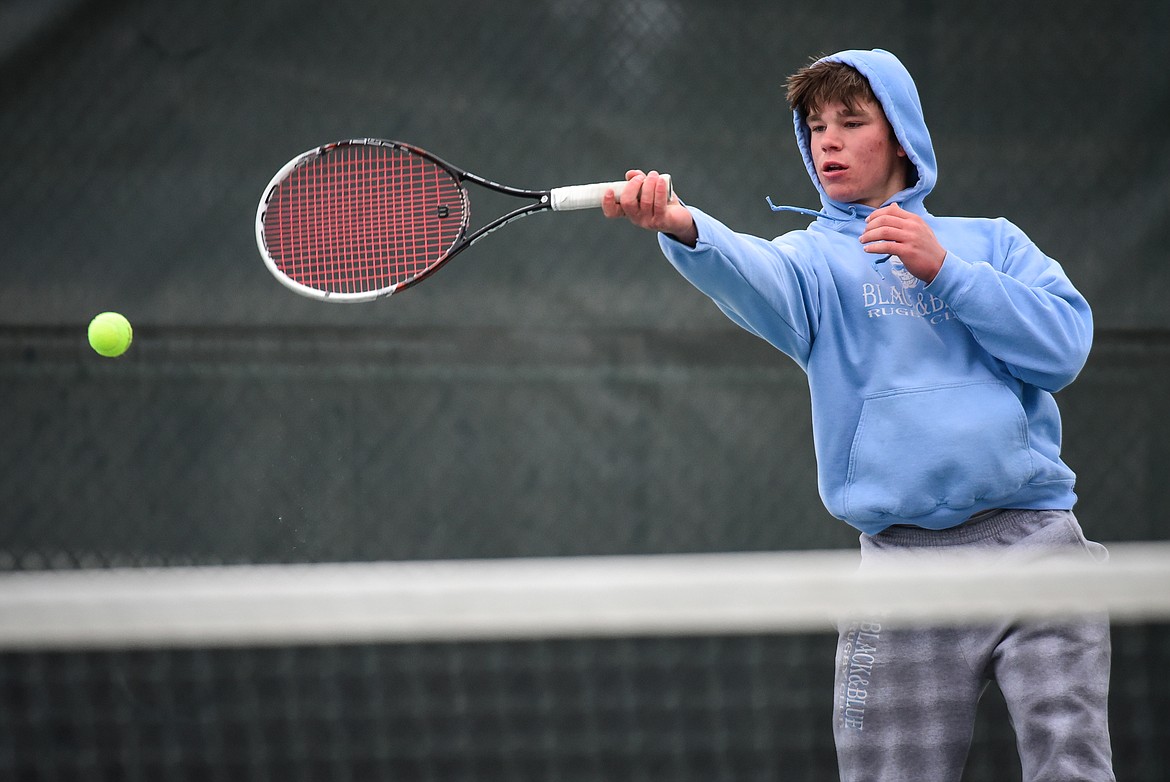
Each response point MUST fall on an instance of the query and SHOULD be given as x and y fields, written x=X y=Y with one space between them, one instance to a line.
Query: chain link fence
x=559 y=391
x=285 y=446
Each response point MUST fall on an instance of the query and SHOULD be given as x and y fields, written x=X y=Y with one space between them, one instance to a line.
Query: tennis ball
x=110 y=334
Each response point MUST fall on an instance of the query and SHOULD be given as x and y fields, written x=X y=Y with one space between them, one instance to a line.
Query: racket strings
x=363 y=218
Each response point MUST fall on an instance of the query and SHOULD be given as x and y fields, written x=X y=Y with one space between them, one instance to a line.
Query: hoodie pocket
x=918 y=449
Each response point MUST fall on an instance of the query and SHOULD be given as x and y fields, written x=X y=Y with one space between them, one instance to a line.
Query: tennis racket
x=361 y=219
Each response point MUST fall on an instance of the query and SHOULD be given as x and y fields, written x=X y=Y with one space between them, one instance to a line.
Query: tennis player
x=933 y=347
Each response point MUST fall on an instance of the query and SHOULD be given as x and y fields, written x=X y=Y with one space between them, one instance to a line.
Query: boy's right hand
x=645 y=202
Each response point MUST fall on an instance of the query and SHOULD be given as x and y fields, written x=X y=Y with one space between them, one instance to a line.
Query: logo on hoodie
x=903 y=296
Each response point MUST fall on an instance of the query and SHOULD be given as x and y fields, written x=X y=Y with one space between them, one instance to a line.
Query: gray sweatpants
x=906 y=699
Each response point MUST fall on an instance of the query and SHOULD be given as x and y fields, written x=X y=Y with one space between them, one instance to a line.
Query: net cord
x=542 y=598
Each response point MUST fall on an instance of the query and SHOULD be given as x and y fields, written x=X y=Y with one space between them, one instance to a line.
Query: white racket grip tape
x=563 y=199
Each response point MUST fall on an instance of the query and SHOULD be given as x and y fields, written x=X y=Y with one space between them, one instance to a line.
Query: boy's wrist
x=688 y=235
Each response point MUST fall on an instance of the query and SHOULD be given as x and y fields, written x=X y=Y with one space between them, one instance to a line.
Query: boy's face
x=857 y=158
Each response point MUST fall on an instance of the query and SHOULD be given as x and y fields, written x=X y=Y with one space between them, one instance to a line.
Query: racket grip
x=563 y=199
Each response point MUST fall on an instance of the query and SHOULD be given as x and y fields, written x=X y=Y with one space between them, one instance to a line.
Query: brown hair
x=815 y=85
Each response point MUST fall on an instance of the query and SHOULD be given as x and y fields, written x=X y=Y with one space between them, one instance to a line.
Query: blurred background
x=557 y=391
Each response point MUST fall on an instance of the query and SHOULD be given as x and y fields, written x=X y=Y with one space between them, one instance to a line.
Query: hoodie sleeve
x=1024 y=311
x=760 y=285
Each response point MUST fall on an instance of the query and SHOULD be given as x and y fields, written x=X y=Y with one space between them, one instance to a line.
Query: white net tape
x=558 y=598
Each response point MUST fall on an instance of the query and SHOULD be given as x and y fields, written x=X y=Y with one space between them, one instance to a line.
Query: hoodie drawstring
x=810 y=212
x=814 y=213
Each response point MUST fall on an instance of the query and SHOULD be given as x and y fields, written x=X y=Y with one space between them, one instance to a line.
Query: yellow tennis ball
x=110 y=334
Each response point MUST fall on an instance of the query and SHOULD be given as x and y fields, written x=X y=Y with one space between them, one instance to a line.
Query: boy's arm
x=1027 y=315
x=758 y=285
x=1025 y=312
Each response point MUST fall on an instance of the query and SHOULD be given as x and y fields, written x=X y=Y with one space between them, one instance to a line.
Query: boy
x=933 y=346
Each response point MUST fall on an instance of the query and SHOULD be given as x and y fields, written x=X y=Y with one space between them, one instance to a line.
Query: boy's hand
x=892 y=230
x=645 y=203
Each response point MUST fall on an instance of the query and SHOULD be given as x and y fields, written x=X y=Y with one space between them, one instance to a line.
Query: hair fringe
x=824 y=82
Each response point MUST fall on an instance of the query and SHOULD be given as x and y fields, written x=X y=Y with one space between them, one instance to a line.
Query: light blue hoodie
x=930 y=402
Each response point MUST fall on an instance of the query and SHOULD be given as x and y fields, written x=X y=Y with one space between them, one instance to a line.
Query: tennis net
x=712 y=667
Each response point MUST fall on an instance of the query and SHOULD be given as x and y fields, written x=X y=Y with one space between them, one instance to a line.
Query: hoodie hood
x=898 y=96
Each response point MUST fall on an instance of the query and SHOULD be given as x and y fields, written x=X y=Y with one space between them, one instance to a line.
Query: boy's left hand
x=892 y=230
